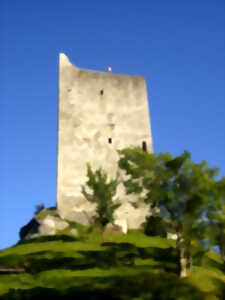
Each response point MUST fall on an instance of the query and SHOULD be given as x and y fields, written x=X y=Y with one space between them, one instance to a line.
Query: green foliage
x=216 y=216
x=155 y=226
x=176 y=185
x=131 y=266
x=102 y=193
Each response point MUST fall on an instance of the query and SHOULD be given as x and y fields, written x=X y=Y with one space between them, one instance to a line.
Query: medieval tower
x=98 y=113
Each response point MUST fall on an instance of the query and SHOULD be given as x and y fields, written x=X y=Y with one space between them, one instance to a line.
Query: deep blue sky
x=179 y=46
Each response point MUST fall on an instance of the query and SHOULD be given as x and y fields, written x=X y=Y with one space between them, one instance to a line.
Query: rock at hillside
x=29 y=229
x=51 y=224
x=83 y=212
x=43 y=226
x=74 y=232
x=112 y=228
x=48 y=222
x=172 y=236
x=79 y=217
x=122 y=224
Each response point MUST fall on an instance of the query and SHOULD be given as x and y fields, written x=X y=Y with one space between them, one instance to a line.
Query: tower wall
x=99 y=112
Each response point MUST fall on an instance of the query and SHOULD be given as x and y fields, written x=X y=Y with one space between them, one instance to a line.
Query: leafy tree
x=101 y=192
x=155 y=225
x=179 y=187
x=216 y=217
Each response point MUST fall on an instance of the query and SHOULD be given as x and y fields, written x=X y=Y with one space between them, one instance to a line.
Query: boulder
x=50 y=224
x=112 y=228
x=172 y=236
x=122 y=224
x=74 y=232
x=79 y=217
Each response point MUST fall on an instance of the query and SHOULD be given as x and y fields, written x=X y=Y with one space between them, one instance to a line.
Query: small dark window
x=144 y=146
x=101 y=92
x=110 y=140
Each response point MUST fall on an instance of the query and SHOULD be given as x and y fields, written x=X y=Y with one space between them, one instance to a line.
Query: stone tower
x=98 y=113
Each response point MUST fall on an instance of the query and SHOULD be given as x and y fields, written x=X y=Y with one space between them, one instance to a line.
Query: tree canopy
x=101 y=191
x=180 y=188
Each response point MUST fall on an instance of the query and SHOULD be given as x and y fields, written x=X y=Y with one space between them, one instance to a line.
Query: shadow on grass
x=203 y=260
x=157 y=281
x=149 y=282
x=160 y=286
x=43 y=239
x=112 y=255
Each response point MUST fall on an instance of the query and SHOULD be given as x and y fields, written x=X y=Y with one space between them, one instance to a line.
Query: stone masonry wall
x=99 y=112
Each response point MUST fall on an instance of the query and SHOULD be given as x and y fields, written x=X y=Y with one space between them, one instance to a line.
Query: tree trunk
x=222 y=252
x=102 y=235
x=182 y=255
x=190 y=262
x=189 y=257
x=183 y=263
x=221 y=243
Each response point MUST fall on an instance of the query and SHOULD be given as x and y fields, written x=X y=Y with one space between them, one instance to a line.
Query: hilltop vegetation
x=186 y=200
x=132 y=266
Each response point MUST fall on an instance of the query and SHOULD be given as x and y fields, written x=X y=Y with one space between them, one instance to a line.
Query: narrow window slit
x=101 y=92
x=110 y=140
x=144 y=146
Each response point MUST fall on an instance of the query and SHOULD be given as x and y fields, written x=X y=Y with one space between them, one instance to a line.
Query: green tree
x=101 y=192
x=179 y=187
x=216 y=217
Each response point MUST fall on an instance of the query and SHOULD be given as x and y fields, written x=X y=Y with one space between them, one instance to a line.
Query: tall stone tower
x=98 y=113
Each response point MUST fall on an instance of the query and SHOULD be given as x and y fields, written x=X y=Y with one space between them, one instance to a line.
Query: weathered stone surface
x=112 y=228
x=79 y=217
x=50 y=225
x=80 y=211
x=122 y=223
x=172 y=236
x=99 y=113
x=131 y=216
x=46 y=230
x=74 y=232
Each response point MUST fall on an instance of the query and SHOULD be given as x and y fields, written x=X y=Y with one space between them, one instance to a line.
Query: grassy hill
x=131 y=266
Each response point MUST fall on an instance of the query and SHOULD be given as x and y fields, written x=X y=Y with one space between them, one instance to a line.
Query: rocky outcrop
x=130 y=215
x=80 y=217
x=29 y=229
x=50 y=225
x=46 y=224
x=113 y=228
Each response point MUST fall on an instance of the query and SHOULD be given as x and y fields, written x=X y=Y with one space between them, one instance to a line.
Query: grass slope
x=131 y=266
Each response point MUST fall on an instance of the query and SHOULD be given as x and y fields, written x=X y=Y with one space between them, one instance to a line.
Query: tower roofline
x=64 y=61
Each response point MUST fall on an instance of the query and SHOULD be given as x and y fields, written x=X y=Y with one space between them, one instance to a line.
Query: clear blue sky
x=179 y=46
